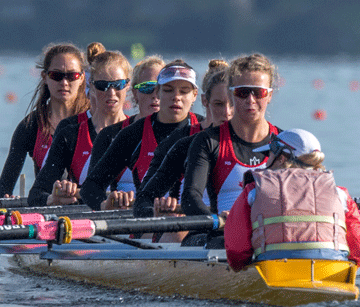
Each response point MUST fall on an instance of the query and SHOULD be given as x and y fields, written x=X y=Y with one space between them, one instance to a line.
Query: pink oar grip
x=81 y=229
x=30 y=218
x=27 y=219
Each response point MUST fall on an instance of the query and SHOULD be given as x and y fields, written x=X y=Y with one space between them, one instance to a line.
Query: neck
x=206 y=123
x=58 y=110
x=253 y=132
x=101 y=121
x=163 y=118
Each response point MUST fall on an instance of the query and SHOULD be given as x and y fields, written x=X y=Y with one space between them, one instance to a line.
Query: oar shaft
x=159 y=224
x=13 y=202
x=84 y=229
x=14 y=232
x=52 y=209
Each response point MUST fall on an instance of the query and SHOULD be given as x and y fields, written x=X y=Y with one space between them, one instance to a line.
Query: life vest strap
x=300 y=218
x=300 y=246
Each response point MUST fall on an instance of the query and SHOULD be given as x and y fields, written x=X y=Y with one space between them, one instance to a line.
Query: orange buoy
x=11 y=97
x=318 y=84
x=319 y=114
x=354 y=86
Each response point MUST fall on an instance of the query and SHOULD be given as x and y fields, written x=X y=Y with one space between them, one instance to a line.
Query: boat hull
x=333 y=280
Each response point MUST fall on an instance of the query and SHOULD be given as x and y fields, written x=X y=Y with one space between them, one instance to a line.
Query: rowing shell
x=198 y=273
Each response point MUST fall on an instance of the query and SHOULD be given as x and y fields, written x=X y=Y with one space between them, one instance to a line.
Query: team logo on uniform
x=227 y=162
x=85 y=153
x=44 y=146
x=254 y=161
x=150 y=153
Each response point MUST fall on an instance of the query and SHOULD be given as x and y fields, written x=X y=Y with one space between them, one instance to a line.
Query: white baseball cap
x=300 y=141
x=172 y=73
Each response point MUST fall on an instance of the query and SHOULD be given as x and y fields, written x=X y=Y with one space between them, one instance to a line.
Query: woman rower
x=92 y=48
x=293 y=209
x=167 y=166
x=59 y=94
x=143 y=84
x=134 y=146
x=219 y=156
x=110 y=78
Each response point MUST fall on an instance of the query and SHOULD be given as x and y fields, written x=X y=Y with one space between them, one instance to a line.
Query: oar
x=13 y=202
x=17 y=218
x=51 y=209
x=64 y=230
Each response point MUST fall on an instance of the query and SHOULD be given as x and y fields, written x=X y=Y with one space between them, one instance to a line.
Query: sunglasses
x=244 y=91
x=70 y=76
x=277 y=146
x=146 y=87
x=103 y=85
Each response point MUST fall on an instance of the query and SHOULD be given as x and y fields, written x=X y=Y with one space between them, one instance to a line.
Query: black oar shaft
x=101 y=215
x=53 y=209
x=13 y=232
x=160 y=224
x=13 y=202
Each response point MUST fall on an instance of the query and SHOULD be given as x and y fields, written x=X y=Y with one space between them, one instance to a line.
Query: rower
x=218 y=157
x=134 y=146
x=59 y=94
x=110 y=74
x=293 y=209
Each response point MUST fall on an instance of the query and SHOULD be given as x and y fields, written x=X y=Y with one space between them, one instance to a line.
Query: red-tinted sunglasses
x=244 y=91
x=70 y=76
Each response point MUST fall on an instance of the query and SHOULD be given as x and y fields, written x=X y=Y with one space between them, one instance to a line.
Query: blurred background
x=286 y=27
x=314 y=44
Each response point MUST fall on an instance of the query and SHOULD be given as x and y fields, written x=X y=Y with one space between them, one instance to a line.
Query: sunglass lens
x=242 y=92
x=56 y=75
x=260 y=92
x=103 y=85
x=72 y=76
x=147 y=89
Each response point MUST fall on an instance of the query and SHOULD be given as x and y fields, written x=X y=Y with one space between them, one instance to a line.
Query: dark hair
x=38 y=106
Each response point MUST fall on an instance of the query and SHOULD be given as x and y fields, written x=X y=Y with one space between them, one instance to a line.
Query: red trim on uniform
x=126 y=122
x=148 y=146
x=195 y=128
x=82 y=151
x=227 y=154
x=82 y=117
x=42 y=146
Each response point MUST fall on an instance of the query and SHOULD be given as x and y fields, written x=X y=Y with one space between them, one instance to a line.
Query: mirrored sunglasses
x=58 y=75
x=103 y=85
x=244 y=91
x=146 y=87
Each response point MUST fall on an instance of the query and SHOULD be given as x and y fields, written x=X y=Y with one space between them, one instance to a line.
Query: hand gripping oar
x=64 y=230
x=17 y=218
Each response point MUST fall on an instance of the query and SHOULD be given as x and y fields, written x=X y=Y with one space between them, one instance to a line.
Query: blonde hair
x=253 y=62
x=143 y=64
x=98 y=58
x=308 y=161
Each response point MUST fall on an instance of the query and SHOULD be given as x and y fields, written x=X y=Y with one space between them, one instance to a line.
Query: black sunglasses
x=103 y=85
x=70 y=76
